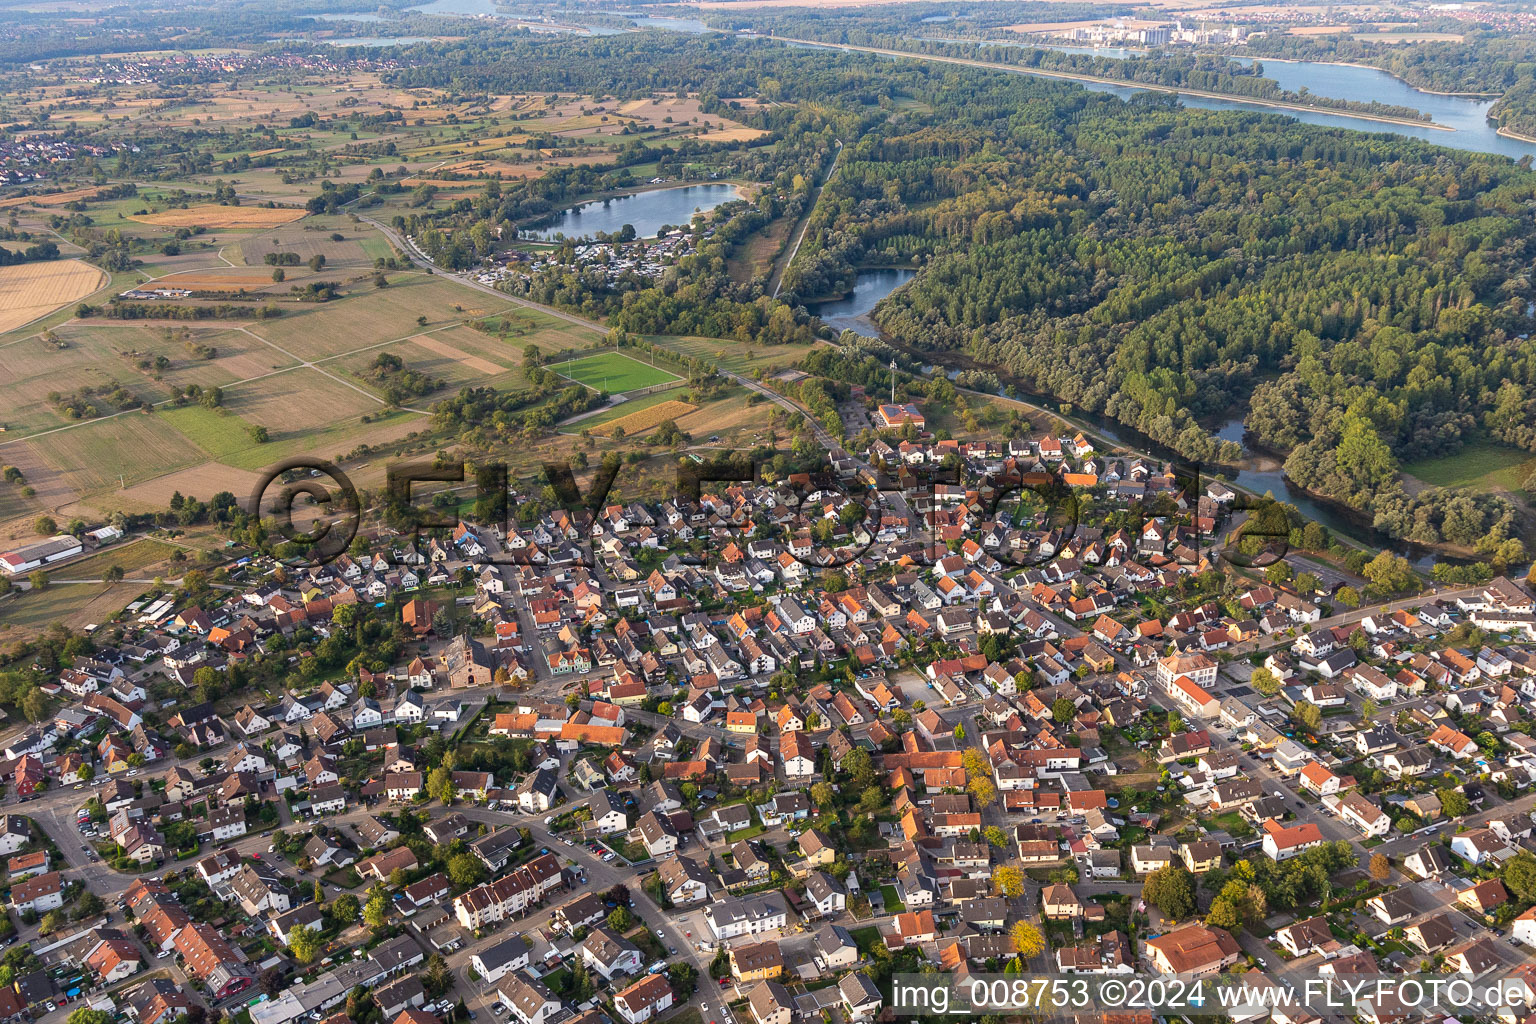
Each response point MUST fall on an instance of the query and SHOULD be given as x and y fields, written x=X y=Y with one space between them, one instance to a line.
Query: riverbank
x=1510 y=133
x=1118 y=83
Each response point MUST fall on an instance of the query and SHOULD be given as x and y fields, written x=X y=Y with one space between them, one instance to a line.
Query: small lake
x=851 y=312
x=644 y=211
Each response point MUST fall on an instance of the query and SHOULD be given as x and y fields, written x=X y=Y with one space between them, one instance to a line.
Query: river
x=646 y=212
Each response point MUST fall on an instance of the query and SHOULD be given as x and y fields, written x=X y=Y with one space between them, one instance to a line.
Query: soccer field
x=612 y=372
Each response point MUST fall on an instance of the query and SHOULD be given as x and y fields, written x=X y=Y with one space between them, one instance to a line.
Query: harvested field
x=474 y=362
x=199 y=481
x=212 y=215
x=644 y=419
x=736 y=134
x=213 y=281
x=31 y=290
x=368 y=316
x=296 y=402
x=52 y=198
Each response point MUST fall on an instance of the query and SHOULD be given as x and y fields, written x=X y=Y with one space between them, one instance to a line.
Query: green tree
x=1308 y=715
x=861 y=766
x=376 y=910
x=304 y=943
x=89 y=1016
x=437 y=979
x=45 y=526
x=1391 y=573
x=1520 y=876
x=440 y=785
x=620 y=919
x=88 y=906
x=1224 y=914
x=1264 y=681
x=465 y=870
x=344 y=908
x=35 y=704
x=1453 y=802
x=1063 y=710
x=1171 y=890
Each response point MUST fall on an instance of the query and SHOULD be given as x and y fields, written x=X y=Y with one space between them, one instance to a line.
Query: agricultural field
x=32 y=290
x=365 y=315
x=50 y=198
x=613 y=372
x=641 y=420
x=104 y=454
x=213 y=215
x=520 y=327
x=102 y=355
x=591 y=421
x=734 y=356
x=738 y=419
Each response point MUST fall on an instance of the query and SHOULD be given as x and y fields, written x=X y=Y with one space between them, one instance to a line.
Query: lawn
x=1485 y=465
x=893 y=904
x=866 y=938
x=613 y=372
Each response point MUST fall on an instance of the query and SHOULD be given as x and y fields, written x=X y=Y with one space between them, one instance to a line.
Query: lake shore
x=1369 y=67
x=1510 y=133
x=1145 y=86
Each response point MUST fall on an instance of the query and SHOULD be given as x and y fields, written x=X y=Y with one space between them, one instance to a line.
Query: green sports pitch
x=612 y=372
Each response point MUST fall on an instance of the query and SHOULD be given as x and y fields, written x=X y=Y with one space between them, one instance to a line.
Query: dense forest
x=1157 y=265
